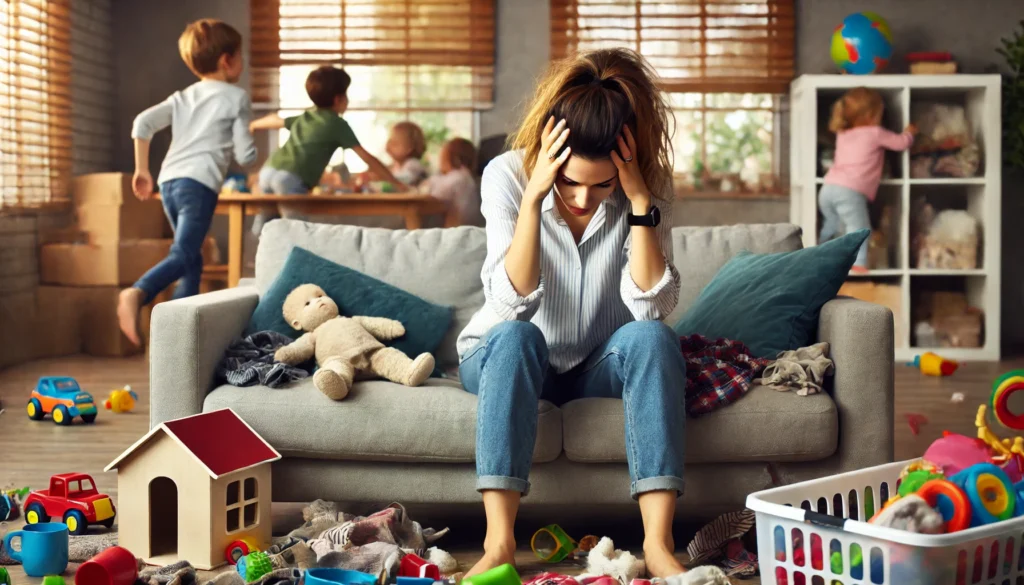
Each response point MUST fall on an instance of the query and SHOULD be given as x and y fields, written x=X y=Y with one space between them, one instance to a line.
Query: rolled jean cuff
x=500 y=482
x=657 y=484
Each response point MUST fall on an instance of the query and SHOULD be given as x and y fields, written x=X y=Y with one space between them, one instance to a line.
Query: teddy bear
x=346 y=346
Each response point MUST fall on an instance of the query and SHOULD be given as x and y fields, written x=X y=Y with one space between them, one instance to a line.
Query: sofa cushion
x=439 y=265
x=765 y=425
x=700 y=252
x=356 y=294
x=378 y=421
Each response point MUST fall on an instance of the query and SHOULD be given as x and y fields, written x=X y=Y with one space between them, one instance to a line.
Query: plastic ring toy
x=551 y=544
x=961 y=517
x=990 y=492
x=995 y=498
x=1002 y=389
x=238 y=549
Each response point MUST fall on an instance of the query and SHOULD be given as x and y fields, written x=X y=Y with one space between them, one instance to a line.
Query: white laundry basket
x=830 y=515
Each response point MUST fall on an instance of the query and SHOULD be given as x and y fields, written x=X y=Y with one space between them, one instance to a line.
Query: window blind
x=35 y=102
x=435 y=54
x=704 y=46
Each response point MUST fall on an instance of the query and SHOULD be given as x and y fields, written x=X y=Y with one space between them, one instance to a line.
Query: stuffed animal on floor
x=345 y=346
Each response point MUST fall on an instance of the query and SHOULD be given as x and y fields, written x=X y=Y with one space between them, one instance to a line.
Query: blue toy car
x=62 y=399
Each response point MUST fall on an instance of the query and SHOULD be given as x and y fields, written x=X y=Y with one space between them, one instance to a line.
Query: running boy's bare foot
x=660 y=561
x=494 y=556
x=129 y=302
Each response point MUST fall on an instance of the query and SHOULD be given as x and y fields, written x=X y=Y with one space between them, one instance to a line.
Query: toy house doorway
x=163 y=517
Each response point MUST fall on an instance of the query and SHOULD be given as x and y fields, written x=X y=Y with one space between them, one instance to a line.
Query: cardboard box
x=887 y=295
x=108 y=211
x=110 y=264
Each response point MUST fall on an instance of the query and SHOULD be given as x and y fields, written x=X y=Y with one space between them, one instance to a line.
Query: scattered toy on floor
x=338 y=577
x=121 y=400
x=622 y=566
x=5 y=577
x=253 y=566
x=73 y=498
x=53 y=580
x=412 y=565
x=500 y=575
x=916 y=421
x=114 y=566
x=932 y=364
x=238 y=549
x=957 y=397
x=62 y=399
x=552 y=545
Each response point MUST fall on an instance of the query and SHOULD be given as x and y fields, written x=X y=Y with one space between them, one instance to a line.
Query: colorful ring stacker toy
x=551 y=544
x=1004 y=387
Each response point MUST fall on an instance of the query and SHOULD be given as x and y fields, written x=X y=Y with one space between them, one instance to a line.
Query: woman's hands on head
x=549 y=161
x=630 y=177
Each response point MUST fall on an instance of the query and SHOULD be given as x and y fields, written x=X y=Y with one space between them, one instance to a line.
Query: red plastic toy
x=931 y=491
x=415 y=566
x=114 y=566
x=73 y=498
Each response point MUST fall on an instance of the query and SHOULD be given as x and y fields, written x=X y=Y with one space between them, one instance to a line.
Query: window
x=72 y=487
x=428 y=61
x=35 y=103
x=242 y=500
x=86 y=485
x=723 y=64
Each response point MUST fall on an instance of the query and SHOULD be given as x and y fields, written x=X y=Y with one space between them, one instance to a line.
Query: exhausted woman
x=578 y=275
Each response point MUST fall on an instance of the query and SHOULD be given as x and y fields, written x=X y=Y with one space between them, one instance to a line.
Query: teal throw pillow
x=356 y=294
x=771 y=302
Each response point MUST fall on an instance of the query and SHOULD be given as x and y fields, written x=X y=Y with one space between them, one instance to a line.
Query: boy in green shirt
x=296 y=167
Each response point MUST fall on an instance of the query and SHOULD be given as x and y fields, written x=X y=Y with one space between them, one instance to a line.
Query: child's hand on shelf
x=912 y=129
x=142 y=185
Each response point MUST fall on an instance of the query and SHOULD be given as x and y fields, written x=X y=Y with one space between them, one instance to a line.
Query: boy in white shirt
x=209 y=123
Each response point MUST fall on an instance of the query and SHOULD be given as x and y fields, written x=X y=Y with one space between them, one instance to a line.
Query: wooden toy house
x=191 y=487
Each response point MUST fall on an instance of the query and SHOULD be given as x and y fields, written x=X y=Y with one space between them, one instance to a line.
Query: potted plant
x=1012 y=50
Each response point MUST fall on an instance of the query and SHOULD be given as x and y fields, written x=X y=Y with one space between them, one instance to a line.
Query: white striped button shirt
x=586 y=291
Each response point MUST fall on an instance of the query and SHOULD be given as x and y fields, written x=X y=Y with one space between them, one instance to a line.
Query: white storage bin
x=801 y=526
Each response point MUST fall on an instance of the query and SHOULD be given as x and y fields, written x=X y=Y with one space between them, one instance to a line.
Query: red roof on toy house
x=220 y=441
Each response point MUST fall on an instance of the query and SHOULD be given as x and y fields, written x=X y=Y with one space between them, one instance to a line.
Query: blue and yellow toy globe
x=862 y=44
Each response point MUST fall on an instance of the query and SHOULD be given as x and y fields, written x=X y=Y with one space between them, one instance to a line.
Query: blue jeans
x=189 y=206
x=842 y=205
x=277 y=182
x=641 y=364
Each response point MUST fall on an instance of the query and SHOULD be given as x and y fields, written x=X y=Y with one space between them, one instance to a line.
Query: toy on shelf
x=121 y=400
x=500 y=575
x=206 y=478
x=413 y=565
x=862 y=44
x=1005 y=386
x=114 y=566
x=73 y=498
x=931 y=63
x=62 y=399
x=253 y=566
x=238 y=549
x=932 y=364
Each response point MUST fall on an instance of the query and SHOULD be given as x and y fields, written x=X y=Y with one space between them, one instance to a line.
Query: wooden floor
x=30 y=451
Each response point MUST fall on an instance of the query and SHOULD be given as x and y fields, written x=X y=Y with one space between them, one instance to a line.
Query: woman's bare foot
x=128 y=304
x=660 y=561
x=494 y=556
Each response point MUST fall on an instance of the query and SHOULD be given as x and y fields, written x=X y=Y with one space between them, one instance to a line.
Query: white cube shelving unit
x=812 y=97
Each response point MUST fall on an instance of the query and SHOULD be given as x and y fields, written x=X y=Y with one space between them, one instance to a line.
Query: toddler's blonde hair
x=417 y=140
x=856 y=106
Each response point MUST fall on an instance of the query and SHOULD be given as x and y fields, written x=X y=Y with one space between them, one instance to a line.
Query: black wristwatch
x=652 y=219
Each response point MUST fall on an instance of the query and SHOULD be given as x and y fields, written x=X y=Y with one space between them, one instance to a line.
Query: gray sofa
x=387 y=442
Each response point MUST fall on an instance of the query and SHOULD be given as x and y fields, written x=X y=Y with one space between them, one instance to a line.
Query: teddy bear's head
x=308 y=306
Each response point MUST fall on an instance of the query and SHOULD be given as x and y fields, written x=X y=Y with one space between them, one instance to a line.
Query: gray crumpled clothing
x=250 y=361
x=802 y=370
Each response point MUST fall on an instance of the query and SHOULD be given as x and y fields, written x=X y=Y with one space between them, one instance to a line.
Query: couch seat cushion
x=378 y=421
x=764 y=425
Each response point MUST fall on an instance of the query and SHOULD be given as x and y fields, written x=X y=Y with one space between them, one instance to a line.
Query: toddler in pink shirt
x=854 y=177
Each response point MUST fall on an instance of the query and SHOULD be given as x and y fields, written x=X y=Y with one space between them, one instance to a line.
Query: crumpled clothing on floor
x=719 y=541
x=802 y=370
x=707 y=575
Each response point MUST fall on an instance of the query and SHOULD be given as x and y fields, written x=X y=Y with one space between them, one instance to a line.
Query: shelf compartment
x=884 y=242
x=884 y=289
x=931 y=251
x=946 y=312
x=894 y=118
x=943 y=157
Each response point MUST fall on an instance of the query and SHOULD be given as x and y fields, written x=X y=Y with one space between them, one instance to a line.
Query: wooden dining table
x=411 y=206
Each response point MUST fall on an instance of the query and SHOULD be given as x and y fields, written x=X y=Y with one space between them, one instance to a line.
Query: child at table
x=406 y=146
x=209 y=123
x=457 y=182
x=296 y=167
x=853 y=180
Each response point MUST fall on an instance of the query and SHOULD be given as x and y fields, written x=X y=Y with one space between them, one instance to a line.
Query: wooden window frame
x=241 y=504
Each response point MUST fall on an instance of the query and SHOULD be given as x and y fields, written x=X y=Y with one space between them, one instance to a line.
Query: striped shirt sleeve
x=657 y=303
x=500 y=195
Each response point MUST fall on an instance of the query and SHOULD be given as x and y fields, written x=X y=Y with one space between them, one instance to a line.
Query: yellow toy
x=122 y=400
x=1002 y=449
x=932 y=364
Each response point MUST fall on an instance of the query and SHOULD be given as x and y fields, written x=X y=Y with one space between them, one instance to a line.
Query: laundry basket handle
x=826 y=520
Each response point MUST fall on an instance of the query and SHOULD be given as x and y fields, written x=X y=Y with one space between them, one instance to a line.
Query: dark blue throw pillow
x=356 y=294
x=771 y=302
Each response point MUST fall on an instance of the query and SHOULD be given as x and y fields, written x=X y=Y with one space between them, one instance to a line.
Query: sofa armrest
x=860 y=337
x=187 y=339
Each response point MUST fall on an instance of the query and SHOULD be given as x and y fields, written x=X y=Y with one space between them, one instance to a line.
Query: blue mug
x=338 y=577
x=44 y=548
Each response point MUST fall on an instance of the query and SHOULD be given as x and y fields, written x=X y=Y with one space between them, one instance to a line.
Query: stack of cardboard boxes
x=118 y=239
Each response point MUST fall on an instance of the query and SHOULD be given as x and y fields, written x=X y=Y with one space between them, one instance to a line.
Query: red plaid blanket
x=718 y=372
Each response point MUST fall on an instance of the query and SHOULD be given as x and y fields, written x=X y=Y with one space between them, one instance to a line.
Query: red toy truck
x=73 y=498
